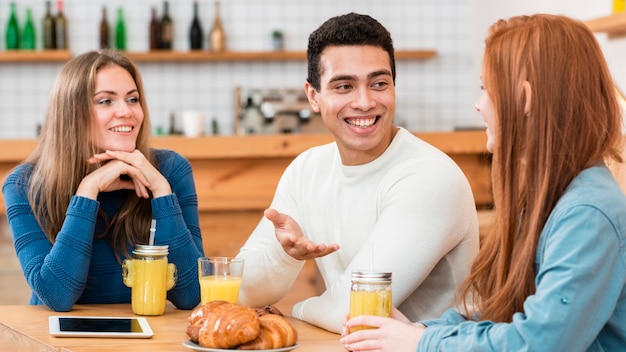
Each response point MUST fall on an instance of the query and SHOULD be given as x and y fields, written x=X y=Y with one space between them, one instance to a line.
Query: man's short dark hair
x=349 y=29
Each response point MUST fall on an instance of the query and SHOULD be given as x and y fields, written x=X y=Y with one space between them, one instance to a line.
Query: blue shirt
x=82 y=268
x=580 y=300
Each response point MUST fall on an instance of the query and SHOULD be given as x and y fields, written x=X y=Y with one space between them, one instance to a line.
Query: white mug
x=193 y=123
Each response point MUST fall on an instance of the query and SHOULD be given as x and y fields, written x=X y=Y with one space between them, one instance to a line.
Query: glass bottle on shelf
x=217 y=37
x=105 y=37
x=173 y=130
x=167 y=28
x=120 y=31
x=215 y=127
x=13 y=29
x=155 y=31
x=28 y=39
x=49 y=29
x=61 y=27
x=195 y=32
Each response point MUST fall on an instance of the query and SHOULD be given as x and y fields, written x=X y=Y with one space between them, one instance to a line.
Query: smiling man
x=377 y=198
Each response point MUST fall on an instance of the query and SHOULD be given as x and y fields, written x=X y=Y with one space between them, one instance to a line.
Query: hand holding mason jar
x=370 y=294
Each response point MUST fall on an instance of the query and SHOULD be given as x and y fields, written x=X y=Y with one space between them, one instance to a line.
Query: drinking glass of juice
x=220 y=278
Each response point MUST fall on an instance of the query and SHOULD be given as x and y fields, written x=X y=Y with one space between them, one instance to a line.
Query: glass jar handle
x=172 y=275
x=127 y=272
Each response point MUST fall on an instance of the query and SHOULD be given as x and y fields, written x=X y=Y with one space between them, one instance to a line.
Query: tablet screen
x=99 y=325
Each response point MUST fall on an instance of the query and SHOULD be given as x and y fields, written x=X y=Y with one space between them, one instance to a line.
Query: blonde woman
x=87 y=193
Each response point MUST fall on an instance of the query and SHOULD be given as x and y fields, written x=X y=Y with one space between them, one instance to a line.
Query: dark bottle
x=105 y=36
x=167 y=28
x=155 y=31
x=13 y=30
x=61 y=27
x=173 y=130
x=28 y=39
x=217 y=37
x=215 y=127
x=49 y=29
x=120 y=31
x=195 y=32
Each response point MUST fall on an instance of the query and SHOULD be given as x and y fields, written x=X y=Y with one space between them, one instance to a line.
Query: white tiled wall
x=431 y=95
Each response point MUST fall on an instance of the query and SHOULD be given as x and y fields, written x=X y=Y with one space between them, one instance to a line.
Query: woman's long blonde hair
x=573 y=123
x=60 y=157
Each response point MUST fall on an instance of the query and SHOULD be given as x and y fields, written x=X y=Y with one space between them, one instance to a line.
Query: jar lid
x=371 y=276
x=147 y=250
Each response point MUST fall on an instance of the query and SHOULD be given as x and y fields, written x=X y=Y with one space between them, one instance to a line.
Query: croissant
x=276 y=332
x=197 y=317
x=223 y=325
x=268 y=309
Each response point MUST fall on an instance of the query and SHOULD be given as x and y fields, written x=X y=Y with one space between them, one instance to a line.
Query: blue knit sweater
x=81 y=269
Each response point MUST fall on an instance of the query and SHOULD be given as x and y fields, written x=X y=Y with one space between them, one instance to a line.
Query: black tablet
x=99 y=326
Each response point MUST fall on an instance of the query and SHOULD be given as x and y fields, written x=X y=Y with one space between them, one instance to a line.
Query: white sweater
x=412 y=205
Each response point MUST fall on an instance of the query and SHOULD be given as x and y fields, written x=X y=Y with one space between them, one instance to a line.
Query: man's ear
x=528 y=96
x=311 y=94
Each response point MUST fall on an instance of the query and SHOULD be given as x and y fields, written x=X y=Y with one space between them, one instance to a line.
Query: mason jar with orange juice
x=149 y=276
x=370 y=294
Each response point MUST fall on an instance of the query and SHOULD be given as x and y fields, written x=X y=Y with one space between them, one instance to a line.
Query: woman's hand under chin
x=123 y=170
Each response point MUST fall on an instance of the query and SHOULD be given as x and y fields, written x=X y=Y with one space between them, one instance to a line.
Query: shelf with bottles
x=614 y=25
x=278 y=55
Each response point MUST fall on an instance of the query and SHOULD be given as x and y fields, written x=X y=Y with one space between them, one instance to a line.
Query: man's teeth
x=122 y=129
x=363 y=123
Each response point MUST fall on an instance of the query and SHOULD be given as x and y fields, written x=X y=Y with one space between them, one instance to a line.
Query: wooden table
x=25 y=328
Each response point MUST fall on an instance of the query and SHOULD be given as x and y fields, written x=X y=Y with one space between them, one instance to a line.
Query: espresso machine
x=274 y=111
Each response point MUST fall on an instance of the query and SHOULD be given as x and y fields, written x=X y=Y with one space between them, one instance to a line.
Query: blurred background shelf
x=203 y=56
x=191 y=56
x=23 y=56
x=614 y=25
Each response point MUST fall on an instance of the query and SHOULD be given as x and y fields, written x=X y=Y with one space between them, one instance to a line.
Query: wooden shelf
x=614 y=25
x=203 y=56
x=20 y=56
x=191 y=56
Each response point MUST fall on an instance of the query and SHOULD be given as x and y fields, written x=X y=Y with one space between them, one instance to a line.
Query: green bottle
x=120 y=31
x=28 y=40
x=13 y=30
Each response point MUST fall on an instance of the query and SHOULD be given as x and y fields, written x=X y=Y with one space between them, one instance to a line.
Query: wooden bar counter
x=25 y=328
x=236 y=177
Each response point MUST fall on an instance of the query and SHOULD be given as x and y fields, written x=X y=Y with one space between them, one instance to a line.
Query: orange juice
x=219 y=287
x=149 y=277
x=370 y=303
x=370 y=294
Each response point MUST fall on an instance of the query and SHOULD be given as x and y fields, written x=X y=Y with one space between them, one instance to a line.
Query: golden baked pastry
x=197 y=317
x=276 y=332
x=220 y=324
x=268 y=309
